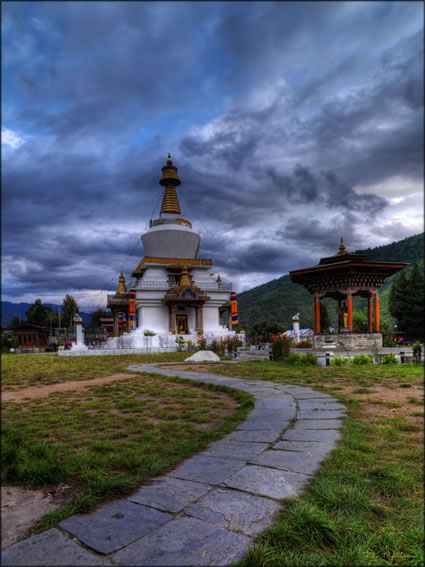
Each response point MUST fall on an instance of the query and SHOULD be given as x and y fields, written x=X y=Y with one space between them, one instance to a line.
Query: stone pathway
x=206 y=511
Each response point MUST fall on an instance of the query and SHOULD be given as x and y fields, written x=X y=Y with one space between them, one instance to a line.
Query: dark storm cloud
x=275 y=114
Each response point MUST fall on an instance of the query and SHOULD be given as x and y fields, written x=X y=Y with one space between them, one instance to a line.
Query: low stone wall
x=348 y=341
x=115 y=351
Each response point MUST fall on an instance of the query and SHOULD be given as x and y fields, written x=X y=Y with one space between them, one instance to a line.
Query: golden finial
x=184 y=280
x=342 y=249
x=169 y=162
x=121 y=284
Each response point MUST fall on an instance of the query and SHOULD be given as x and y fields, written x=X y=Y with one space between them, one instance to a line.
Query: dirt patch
x=75 y=386
x=21 y=508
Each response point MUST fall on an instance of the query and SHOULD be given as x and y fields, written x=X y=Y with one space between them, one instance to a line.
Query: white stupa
x=175 y=293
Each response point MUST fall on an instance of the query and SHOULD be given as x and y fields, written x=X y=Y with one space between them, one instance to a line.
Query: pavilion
x=341 y=277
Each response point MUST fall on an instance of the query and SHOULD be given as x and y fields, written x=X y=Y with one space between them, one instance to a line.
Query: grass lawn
x=105 y=441
x=25 y=370
x=365 y=506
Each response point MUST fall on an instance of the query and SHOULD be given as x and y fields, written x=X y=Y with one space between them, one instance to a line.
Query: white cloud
x=11 y=138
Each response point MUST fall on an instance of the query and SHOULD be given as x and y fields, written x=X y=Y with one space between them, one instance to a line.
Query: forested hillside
x=278 y=300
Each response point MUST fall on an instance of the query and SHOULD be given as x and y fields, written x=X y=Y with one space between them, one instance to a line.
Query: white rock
x=203 y=356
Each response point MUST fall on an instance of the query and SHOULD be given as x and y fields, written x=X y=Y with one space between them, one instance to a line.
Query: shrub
x=301 y=359
x=389 y=359
x=362 y=359
x=339 y=361
x=149 y=333
x=281 y=347
x=7 y=342
x=202 y=343
x=417 y=351
x=305 y=343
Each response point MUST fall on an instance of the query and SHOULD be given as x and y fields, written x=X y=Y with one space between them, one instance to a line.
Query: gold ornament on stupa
x=170 y=180
x=121 y=285
x=342 y=249
x=184 y=279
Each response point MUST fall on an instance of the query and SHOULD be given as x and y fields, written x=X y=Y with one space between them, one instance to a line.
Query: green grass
x=23 y=371
x=106 y=440
x=364 y=507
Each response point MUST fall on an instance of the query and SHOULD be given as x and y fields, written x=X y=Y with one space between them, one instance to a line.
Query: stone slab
x=323 y=435
x=302 y=395
x=115 y=525
x=254 y=424
x=211 y=470
x=275 y=403
x=185 y=541
x=236 y=511
x=269 y=482
x=316 y=414
x=319 y=424
x=169 y=494
x=308 y=447
x=233 y=450
x=319 y=405
x=289 y=460
x=272 y=416
x=258 y=436
x=48 y=548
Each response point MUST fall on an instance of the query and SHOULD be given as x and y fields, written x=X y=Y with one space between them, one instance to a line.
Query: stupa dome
x=171 y=236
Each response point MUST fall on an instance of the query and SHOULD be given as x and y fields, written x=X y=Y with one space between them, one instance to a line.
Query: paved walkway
x=207 y=511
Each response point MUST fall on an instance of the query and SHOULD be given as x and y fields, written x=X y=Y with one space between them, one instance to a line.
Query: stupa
x=173 y=292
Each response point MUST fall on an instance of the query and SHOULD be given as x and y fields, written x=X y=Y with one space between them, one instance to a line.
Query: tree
x=69 y=309
x=360 y=321
x=41 y=314
x=406 y=302
x=15 y=320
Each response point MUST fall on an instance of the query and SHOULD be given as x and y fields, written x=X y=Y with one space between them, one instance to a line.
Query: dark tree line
x=406 y=303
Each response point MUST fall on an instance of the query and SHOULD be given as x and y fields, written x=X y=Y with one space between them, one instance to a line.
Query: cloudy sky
x=291 y=124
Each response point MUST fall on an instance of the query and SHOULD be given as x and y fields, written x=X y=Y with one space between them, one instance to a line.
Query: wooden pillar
x=377 y=329
x=350 y=312
x=116 y=329
x=172 y=318
x=196 y=318
x=201 y=318
x=316 y=314
x=369 y=313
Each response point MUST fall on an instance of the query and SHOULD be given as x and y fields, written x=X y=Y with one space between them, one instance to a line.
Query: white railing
x=207 y=286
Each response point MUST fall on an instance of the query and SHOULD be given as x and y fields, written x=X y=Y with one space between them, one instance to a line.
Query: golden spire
x=170 y=180
x=342 y=249
x=121 y=284
x=184 y=279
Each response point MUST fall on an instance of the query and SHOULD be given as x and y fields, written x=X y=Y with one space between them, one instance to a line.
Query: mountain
x=278 y=300
x=9 y=309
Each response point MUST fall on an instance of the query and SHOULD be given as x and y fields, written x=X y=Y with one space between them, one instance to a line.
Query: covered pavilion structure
x=341 y=277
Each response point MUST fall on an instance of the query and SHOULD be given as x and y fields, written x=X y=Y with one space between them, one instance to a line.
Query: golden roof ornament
x=121 y=284
x=170 y=180
x=184 y=279
x=342 y=249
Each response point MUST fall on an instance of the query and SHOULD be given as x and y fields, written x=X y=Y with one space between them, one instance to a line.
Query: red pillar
x=316 y=313
x=350 y=312
x=377 y=329
x=369 y=313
